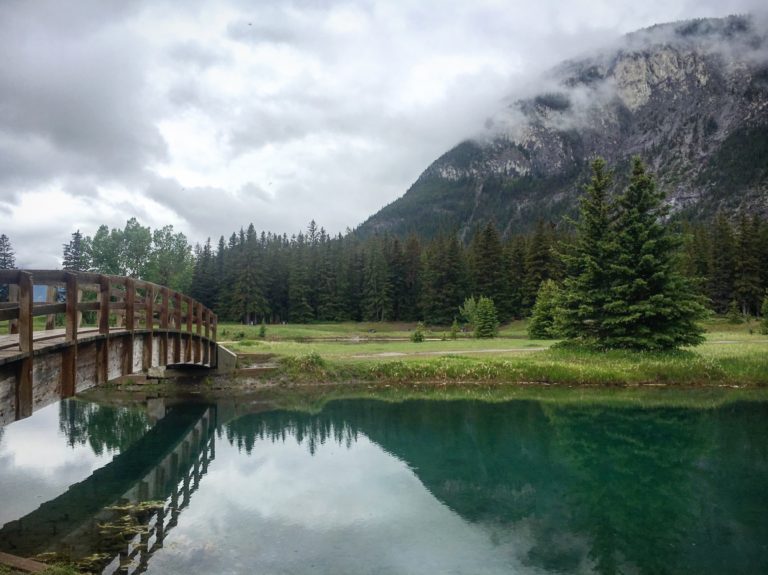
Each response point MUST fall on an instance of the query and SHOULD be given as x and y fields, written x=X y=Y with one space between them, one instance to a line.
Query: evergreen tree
x=650 y=305
x=486 y=319
x=7 y=255
x=515 y=263
x=747 y=273
x=377 y=302
x=734 y=313
x=538 y=262
x=7 y=262
x=722 y=257
x=545 y=312
x=77 y=256
x=587 y=286
x=443 y=280
x=489 y=277
x=409 y=304
x=328 y=300
x=764 y=313
x=300 y=310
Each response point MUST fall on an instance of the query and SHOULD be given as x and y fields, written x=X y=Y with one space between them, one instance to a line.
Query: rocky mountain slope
x=691 y=98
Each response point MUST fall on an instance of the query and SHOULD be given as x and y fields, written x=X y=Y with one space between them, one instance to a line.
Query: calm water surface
x=368 y=487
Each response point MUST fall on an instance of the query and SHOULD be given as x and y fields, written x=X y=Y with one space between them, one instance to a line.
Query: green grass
x=731 y=355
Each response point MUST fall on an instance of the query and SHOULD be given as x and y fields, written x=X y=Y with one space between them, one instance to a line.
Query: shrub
x=418 y=334
x=486 y=319
x=544 y=317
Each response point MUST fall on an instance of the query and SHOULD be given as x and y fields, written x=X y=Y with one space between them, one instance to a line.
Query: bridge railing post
x=51 y=295
x=69 y=356
x=26 y=319
x=149 y=325
x=102 y=353
x=164 y=316
x=177 y=326
x=130 y=324
x=198 y=331
x=26 y=346
x=190 y=316
x=13 y=297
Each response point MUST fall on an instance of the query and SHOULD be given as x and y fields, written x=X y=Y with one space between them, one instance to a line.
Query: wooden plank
x=9 y=276
x=51 y=293
x=149 y=324
x=130 y=319
x=88 y=305
x=72 y=320
x=22 y=564
x=177 y=310
x=39 y=309
x=13 y=296
x=11 y=314
x=24 y=388
x=45 y=277
x=68 y=371
x=189 y=343
x=104 y=296
x=164 y=308
x=72 y=323
x=25 y=312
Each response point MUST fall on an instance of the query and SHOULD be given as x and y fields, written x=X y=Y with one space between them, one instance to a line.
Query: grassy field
x=732 y=355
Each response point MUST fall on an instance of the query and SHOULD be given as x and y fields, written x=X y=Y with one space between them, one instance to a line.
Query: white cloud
x=270 y=112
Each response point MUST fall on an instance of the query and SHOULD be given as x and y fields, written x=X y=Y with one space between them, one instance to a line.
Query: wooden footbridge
x=131 y=326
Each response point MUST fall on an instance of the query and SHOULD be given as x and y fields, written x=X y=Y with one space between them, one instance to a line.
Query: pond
x=375 y=487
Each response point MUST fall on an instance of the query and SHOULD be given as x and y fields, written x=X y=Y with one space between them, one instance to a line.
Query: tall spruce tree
x=650 y=305
x=77 y=253
x=722 y=270
x=515 y=262
x=538 y=262
x=7 y=255
x=587 y=286
x=747 y=284
x=7 y=262
x=489 y=274
x=543 y=324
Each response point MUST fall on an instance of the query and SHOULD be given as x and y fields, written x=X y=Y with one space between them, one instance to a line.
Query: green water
x=370 y=487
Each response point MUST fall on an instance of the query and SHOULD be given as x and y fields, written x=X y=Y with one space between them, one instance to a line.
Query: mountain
x=691 y=98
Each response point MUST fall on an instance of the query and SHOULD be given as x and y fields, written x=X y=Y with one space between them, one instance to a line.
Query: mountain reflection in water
x=428 y=486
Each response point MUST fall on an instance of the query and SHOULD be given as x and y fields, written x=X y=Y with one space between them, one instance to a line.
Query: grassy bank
x=732 y=355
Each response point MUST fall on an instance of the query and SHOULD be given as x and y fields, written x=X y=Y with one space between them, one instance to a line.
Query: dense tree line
x=258 y=276
x=315 y=277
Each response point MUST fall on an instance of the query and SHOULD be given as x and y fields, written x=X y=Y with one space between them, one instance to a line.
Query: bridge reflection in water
x=120 y=515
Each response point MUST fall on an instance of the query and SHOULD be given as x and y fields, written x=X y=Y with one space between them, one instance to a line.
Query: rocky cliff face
x=690 y=98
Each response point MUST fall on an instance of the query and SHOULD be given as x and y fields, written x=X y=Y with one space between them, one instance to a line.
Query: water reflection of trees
x=609 y=490
x=630 y=483
x=279 y=425
x=101 y=427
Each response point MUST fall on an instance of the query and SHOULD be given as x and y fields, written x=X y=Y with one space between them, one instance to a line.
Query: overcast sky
x=210 y=114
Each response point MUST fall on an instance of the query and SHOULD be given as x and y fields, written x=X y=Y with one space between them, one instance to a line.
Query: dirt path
x=386 y=354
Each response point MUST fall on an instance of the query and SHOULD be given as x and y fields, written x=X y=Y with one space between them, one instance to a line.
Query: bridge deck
x=50 y=338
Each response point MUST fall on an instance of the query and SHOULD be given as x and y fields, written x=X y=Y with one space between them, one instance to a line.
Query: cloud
x=213 y=114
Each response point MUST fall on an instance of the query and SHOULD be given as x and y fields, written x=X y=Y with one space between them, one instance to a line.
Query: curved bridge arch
x=136 y=325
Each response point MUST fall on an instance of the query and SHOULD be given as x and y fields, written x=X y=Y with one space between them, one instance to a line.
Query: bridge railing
x=119 y=303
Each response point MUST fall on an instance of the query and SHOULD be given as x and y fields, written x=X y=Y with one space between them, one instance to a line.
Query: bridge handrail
x=135 y=301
